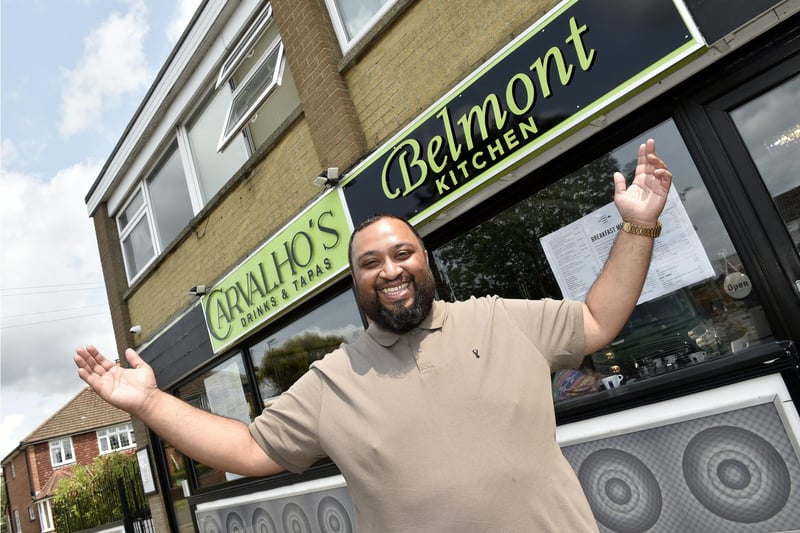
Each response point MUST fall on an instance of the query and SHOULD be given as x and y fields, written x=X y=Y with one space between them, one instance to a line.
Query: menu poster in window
x=225 y=394
x=577 y=252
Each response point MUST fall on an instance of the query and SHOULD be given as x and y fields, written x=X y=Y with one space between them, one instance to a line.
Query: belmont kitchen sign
x=303 y=257
x=577 y=62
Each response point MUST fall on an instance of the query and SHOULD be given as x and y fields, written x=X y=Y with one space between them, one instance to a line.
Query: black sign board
x=577 y=62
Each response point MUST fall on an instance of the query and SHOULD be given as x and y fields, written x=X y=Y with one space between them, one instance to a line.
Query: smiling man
x=440 y=417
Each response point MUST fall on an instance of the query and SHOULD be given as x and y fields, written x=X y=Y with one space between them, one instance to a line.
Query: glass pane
x=770 y=127
x=226 y=391
x=284 y=356
x=213 y=168
x=252 y=92
x=169 y=196
x=129 y=213
x=282 y=101
x=687 y=320
x=356 y=15
x=138 y=248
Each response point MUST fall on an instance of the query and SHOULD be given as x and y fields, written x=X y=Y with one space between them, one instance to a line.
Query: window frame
x=347 y=43
x=57 y=445
x=106 y=434
x=244 y=46
x=124 y=233
x=231 y=129
x=45 y=515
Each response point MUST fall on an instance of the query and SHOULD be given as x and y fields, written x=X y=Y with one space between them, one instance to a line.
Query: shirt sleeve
x=554 y=326
x=288 y=429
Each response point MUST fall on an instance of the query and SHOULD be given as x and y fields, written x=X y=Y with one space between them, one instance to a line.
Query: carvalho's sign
x=580 y=60
x=304 y=256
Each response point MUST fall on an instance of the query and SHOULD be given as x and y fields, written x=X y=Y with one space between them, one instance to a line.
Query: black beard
x=401 y=318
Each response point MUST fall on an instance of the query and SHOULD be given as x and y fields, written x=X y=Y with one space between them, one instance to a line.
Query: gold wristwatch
x=653 y=231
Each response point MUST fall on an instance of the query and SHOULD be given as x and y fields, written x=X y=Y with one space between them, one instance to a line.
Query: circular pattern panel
x=333 y=517
x=262 y=522
x=622 y=491
x=295 y=519
x=736 y=474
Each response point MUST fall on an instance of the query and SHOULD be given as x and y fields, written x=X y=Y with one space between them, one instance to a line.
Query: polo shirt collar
x=434 y=320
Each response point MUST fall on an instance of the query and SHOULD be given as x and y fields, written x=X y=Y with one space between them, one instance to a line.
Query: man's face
x=394 y=284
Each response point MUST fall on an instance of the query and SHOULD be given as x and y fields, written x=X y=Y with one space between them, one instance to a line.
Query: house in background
x=85 y=428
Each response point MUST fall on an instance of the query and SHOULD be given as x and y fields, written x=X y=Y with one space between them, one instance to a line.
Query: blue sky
x=72 y=73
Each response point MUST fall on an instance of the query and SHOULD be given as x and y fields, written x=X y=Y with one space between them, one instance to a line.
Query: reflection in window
x=224 y=390
x=285 y=355
x=772 y=136
x=676 y=330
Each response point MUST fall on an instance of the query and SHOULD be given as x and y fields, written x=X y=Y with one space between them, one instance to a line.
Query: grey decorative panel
x=325 y=511
x=735 y=471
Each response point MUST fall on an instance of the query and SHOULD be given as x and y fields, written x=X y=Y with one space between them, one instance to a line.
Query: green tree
x=90 y=497
x=283 y=365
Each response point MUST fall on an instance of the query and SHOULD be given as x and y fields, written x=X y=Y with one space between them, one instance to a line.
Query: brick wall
x=19 y=493
x=427 y=51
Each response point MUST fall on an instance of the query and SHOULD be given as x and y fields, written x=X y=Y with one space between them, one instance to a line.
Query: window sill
x=757 y=360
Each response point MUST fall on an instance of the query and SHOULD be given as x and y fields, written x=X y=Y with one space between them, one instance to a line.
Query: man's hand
x=643 y=201
x=125 y=388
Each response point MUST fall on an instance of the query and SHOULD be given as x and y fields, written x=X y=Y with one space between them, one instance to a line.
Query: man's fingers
x=619 y=183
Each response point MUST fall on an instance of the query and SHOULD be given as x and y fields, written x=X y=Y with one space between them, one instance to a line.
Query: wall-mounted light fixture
x=197 y=290
x=327 y=178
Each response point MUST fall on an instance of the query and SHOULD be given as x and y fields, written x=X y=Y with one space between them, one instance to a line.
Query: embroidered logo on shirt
x=477 y=355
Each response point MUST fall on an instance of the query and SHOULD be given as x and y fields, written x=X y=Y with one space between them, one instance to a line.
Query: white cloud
x=48 y=246
x=113 y=65
x=184 y=9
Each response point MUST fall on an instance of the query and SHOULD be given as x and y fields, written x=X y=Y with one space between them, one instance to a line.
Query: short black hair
x=371 y=219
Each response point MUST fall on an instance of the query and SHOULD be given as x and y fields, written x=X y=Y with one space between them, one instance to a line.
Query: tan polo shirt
x=447 y=428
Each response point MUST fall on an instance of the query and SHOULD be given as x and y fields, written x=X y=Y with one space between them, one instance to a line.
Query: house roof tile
x=85 y=412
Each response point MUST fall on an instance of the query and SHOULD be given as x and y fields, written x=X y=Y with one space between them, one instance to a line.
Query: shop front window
x=223 y=390
x=697 y=304
x=770 y=128
x=285 y=355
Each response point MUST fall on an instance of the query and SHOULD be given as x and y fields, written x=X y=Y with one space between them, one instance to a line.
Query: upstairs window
x=61 y=452
x=264 y=93
x=156 y=213
x=353 y=18
x=253 y=97
x=116 y=438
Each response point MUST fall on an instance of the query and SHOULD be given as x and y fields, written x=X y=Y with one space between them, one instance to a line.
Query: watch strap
x=651 y=231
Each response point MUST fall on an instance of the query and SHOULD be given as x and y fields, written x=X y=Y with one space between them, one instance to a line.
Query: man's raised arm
x=216 y=441
x=610 y=301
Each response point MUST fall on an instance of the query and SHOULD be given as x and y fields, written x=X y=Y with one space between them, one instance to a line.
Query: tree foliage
x=90 y=497
x=282 y=366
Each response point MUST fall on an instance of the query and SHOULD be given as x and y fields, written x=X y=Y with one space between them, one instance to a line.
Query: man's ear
x=427 y=259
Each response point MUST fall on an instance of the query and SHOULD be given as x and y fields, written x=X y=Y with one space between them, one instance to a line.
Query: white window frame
x=345 y=42
x=146 y=210
x=143 y=212
x=17 y=520
x=104 y=438
x=46 y=515
x=13 y=471
x=59 y=445
x=244 y=47
x=229 y=133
